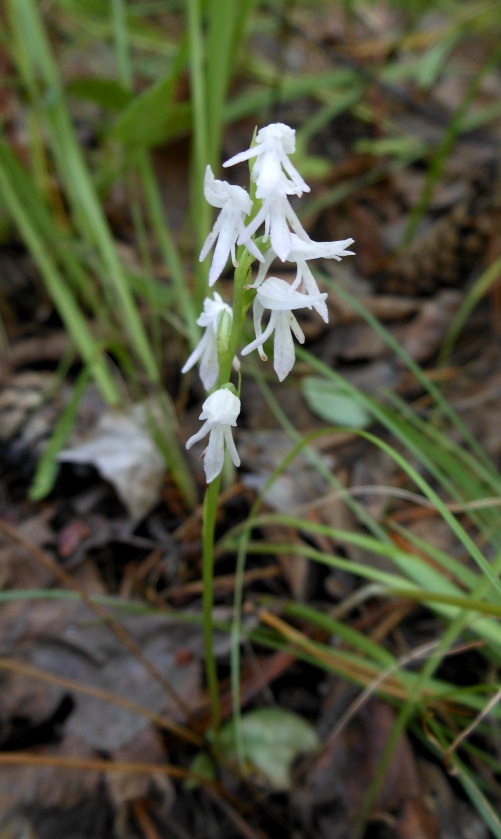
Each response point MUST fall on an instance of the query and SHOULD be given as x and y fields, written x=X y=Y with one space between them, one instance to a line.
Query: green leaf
x=432 y=64
x=106 y=93
x=331 y=403
x=271 y=739
x=153 y=117
x=150 y=120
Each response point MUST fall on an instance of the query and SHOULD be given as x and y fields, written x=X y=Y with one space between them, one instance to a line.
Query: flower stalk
x=274 y=180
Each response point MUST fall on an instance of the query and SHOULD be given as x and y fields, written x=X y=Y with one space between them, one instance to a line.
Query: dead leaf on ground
x=422 y=338
x=50 y=787
x=123 y=451
x=65 y=640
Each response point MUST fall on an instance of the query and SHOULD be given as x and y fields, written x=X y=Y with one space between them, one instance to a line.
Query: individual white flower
x=235 y=204
x=220 y=411
x=276 y=214
x=206 y=349
x=301 y=251
x=280 y=298
x=273 y=145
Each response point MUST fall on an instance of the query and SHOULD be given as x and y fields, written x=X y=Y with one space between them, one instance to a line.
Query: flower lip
x=308 y=249
x=278 y=295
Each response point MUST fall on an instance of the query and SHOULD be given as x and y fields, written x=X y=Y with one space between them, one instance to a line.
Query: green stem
x=245 y=260
x=201 y=211
x=121 y=39
x=209 y=528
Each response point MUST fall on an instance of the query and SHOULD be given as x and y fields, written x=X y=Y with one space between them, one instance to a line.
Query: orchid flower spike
x=275 y=179
x=235 y=203
x=280 y=298
x=302 y=251
x=206 y=349
x=220 y=411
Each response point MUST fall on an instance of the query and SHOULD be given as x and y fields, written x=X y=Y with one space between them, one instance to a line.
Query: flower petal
x=226 y=239
x=278 y=295
x=230 y=445
x=280 y=234
x=311 y=288
x=241 y=156
x=199 y=435
x=302 y=249
x=283 y=347
x=261 y=338
x=214 y=453
x=268 y=258
x=296 y=329
x=197 y=353
x=299 y=183
x=209 y=367
x=211 y=238
x=214 y=192
x=251 y=228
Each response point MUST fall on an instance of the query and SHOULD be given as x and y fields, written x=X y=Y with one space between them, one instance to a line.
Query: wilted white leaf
x=123 y=451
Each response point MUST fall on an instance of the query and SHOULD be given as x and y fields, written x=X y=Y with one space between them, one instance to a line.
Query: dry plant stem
x=473 y=725
x=146 y=825
x=45 y=560
x=98 y=765
x=365 y=674
x=215 y=790
x=371 y=489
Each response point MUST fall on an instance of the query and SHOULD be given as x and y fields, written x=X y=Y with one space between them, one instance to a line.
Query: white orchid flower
x=281 y=299
x=276 y=214
x=220 y=412
x=235 y=204
x=273 y=145
x=206 y=349
x=301 y=251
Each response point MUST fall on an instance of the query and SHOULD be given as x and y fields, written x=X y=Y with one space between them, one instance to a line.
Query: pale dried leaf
x=123 y=451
